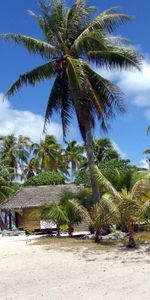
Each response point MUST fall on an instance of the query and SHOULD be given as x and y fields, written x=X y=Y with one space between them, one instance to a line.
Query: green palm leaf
x=38 y=74
x=31 y=44
x=116 y=57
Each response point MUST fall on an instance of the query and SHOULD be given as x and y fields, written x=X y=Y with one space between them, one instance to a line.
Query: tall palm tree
x=74 y=155
x=74 y=37
x=15 y=151
x=133 y=204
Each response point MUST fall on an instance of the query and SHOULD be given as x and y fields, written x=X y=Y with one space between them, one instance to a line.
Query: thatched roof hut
x=27 y=199
x=36 y=196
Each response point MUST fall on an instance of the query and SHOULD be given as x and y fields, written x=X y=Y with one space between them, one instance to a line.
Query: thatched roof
x=35 y=196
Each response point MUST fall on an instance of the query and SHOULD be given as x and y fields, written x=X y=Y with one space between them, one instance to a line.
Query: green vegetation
x=46 y=178
x=133 y=205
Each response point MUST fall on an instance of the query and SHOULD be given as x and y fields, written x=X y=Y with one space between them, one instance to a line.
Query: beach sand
x=35 y=272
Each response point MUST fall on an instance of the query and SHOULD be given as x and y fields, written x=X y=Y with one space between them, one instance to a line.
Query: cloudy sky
x=24 y=113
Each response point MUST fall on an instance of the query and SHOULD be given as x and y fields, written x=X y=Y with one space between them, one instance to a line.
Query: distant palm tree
x=15 y=151
x=73 y=39
x=48 y=153
x=133 y=205
x=104 y=150
x=74 y=155
x=5 y=187
x=31 y=168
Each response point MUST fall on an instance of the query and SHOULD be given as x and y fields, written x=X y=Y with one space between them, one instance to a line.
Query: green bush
x=82 y=177
x=46 y=178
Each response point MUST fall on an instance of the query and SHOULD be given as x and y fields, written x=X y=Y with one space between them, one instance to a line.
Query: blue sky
x=24 y=112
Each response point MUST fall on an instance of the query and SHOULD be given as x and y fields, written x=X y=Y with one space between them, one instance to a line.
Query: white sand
x=30 y=272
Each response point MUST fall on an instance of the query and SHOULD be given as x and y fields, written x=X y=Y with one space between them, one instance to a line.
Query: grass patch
x=73 y=244
x=142 y=237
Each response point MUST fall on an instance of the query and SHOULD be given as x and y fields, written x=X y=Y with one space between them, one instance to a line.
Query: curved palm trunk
x=91 y=162
x=131 y=242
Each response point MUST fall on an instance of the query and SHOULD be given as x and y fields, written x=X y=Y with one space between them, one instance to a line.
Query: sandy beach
x=35 y=272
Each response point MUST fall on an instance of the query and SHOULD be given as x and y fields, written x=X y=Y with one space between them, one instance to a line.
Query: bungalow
x=20 y=206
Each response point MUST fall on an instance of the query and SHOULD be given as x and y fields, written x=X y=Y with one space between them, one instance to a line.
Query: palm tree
x=48 y=154
x=15 y=151
x=73 y=39
x=31 y=168
x=66 y=213
x=101 y=215
x=74 y=156
x=104 y=150
x=133 y=205
x=6 y=188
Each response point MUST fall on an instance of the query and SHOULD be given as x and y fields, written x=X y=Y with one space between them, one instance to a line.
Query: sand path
x=30 y=272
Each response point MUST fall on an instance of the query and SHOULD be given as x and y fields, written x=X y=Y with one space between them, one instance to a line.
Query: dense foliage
x=46 y=178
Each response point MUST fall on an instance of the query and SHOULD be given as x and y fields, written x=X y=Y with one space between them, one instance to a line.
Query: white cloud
x=134 y=84
x=144 y=163
x=24 y=122
x=117 y=148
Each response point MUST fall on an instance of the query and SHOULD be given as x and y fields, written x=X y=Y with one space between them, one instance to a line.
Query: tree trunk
x=97 y=233
x=58 y=230
x=91 y=162
x=70 y=230
x=131 y=242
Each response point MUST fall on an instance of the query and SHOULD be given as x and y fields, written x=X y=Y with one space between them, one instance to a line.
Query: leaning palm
x=133 y=205
x=73 y=39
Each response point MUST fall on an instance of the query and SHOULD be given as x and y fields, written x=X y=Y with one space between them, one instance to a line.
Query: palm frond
x=109 y=20
x=80 y=210
x=38 y=74
x=109 y=94
x=60 y=101
x=31 y=44
x=79 y=93
x=146 y=151
x=148 y=130
x=145 y=211
x=141 y=188
x=77 y=19
x=116 y=57
x=43 y=25
x=106 y=183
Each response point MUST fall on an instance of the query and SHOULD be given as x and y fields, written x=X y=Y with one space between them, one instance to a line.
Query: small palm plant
x=133 y=205
x=67 y=213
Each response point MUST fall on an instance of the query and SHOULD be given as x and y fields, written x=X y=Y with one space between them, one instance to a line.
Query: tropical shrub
x=46 y=178
x=133 y=205
x=82 y=177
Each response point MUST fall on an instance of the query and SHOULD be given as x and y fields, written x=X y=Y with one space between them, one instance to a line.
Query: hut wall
x=27 y=221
